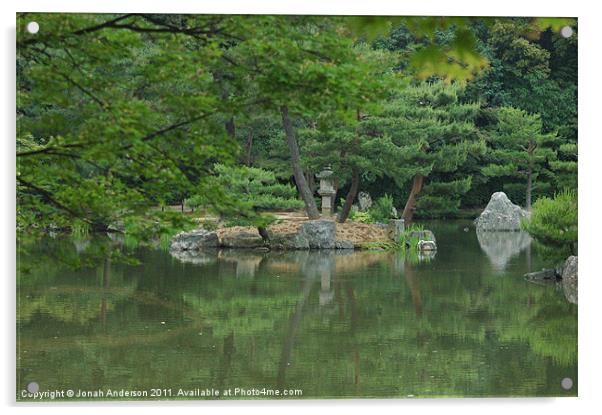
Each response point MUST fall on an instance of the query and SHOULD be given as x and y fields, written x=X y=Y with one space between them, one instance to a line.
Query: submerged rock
x=544 y=274
x=194 y=240
x=427 y=246
x=500 y=215
x=321 y=233
x=569 y=279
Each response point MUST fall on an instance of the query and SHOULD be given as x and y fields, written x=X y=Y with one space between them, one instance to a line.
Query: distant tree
x=519 y=149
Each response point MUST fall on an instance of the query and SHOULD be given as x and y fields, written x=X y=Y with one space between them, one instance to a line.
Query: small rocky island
x=302 y=234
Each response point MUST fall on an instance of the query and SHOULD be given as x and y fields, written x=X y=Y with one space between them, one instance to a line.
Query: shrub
x=407 y=240
x=361 y=217
x=554 y=220
x=382 y=209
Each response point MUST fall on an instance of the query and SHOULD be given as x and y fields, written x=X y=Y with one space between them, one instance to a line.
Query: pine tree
x=434 y=136
x=519 y=149
x=249 y=192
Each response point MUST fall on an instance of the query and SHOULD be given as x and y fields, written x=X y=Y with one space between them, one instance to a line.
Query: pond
x=316 y=324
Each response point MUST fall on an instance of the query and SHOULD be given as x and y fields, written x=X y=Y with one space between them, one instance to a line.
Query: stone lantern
x=326 y=190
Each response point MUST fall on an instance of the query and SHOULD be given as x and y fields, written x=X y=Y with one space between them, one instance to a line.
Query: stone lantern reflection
x=326 y=190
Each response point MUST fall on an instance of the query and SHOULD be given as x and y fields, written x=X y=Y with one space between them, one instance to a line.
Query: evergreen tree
x=434 y=135
x=519 y=149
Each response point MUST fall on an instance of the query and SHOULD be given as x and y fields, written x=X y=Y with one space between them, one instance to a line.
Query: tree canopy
x=120 y=115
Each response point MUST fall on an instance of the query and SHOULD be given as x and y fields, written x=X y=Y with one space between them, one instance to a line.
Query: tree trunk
x=355 y=182
x=249 y=159
x=302 y=186
x=231 y=127
x=229 y=124
x=408 y=210
x=529 y=188
x=355 y=178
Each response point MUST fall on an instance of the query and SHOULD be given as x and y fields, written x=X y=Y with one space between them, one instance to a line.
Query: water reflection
x=501 y=247
x=333 y=323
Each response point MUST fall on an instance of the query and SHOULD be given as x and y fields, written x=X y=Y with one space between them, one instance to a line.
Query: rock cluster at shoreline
x=565 y=274
x=296 y=235
x=311 y=234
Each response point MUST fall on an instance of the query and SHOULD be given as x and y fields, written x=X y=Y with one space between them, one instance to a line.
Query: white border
x=590 y=94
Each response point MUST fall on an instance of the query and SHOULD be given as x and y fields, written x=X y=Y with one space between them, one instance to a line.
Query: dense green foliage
x=121 y=115
x=251 y=190
x=519 y=150
x=554 y=220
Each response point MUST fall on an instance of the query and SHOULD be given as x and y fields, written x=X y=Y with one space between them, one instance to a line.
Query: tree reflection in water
x=335 y=324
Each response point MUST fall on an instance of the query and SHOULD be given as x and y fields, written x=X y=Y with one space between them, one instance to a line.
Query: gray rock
x=544 y=274
x=194 y=240
x=569 y=279
x=343 y=244
x=321 y=234
x=242 y=240
x=427 y=246
x=500 y=215
x=424 y=235
x=396 y=229
x=288 y=241
x=364 y=200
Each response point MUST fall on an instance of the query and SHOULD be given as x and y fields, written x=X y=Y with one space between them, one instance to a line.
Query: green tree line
x=118 y=115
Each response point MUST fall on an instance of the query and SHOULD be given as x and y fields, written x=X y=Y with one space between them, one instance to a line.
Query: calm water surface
x=332 y=324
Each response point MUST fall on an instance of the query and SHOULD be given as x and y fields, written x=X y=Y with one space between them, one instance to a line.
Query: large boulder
x=364 y=201
x=321 y=234
x=500 y=215
x=242 y=240
x=569 y=279
x=194 y=240
x=288 y=241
